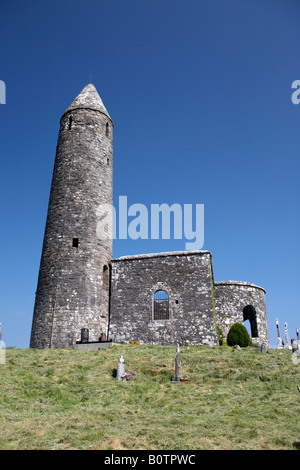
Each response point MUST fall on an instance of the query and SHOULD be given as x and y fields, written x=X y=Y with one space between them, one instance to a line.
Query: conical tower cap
x=88 y=98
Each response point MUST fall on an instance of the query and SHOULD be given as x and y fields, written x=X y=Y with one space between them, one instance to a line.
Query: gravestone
x=279 y=340
x=176 y=377
x=287 y=339
x=120 y=369
x=264 y=348
x=2 y=348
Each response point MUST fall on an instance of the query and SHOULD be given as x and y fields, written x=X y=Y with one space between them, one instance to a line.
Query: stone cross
x=176 y=377
x=287 y=339
x=279 y=340
x=121 y=368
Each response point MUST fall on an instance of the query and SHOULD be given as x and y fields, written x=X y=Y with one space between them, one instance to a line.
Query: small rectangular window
x=75 y=242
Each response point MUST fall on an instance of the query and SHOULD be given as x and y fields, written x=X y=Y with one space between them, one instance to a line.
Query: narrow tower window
x=70 y=120
x=160 y=305
x=75 y=243
x=107 y=130
x=105 y=277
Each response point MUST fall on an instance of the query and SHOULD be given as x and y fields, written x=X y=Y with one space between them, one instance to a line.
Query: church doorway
x=249 y=313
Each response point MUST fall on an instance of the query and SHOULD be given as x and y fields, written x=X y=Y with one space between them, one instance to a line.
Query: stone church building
x=83 y=294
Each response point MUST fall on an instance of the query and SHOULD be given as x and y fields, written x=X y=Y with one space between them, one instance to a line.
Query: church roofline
x=161 y=255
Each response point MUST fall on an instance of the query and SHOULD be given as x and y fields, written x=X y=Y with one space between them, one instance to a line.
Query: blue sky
x=200 y=95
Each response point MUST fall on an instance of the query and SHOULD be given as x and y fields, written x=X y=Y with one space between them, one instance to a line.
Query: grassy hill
x=68 y=399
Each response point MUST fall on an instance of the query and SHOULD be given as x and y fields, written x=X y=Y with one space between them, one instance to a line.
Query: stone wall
x=239 y=302
x=79 y=286
x=72 y=293
x=187 y=279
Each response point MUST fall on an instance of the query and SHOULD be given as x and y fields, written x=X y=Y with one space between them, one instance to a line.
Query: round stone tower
x=74 y=277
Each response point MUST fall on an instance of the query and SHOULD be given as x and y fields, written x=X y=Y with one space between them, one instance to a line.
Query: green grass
x=68 y=399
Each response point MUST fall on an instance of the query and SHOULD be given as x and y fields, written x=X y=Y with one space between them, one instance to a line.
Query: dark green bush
x=238 y=335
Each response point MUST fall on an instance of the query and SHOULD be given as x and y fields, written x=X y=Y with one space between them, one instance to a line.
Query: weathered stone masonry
x=187 y=279
x=162 y=298
x=240 y=302
x=71 y=294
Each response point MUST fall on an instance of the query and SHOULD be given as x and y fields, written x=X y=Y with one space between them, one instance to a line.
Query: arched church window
x=160 y=305
x=107 y=130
